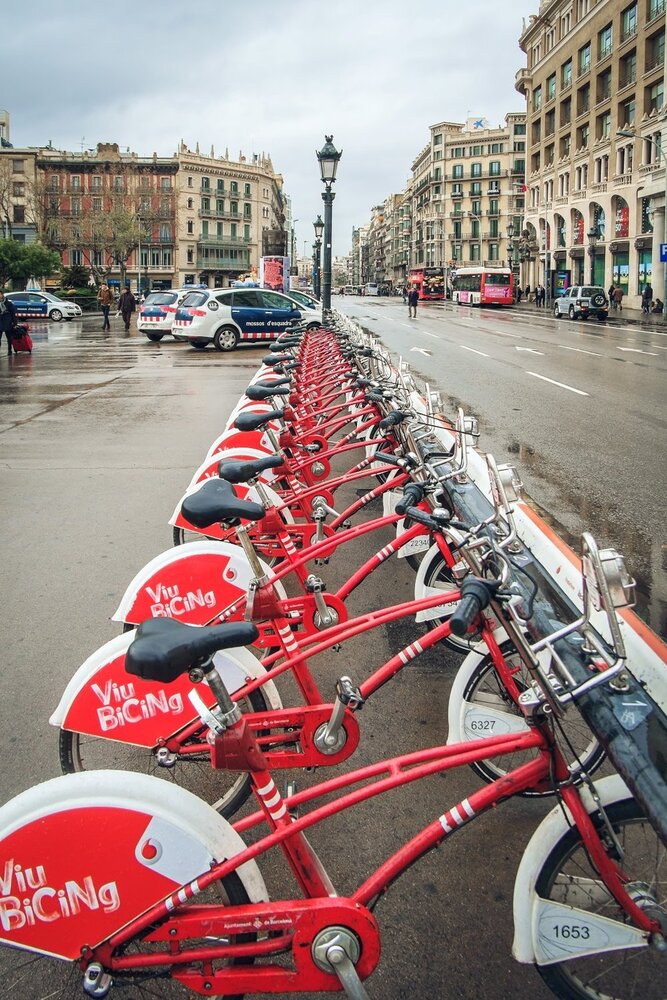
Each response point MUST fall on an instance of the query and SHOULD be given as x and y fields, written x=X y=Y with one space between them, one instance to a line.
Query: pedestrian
x=105 y=299
x=527 y=293
x=658 y=306
x=405 y=294
x=539 y=299
x=413 y=299
x=127 y=305
x=518 y=294
x=610 y=294
x=618 y=298
x=7 y=320
x=647 y=297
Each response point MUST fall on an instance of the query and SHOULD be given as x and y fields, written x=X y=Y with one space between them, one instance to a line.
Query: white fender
x=137 y=841
x=233 y=438
x=417 y=545
x=421 y=590
x=538 y=923
x=193 y=583
x=103 y=700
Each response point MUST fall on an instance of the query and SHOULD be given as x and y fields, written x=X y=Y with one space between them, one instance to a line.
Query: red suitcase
x=21 y=339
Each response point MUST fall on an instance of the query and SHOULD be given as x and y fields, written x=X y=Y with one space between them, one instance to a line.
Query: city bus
x=483 y=286
x=371 y=288
x=429 y=282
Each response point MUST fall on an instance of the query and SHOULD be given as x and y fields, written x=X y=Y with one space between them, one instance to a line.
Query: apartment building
x=596 y=197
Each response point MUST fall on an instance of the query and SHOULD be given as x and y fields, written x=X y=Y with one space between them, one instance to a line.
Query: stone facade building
x=596 y=198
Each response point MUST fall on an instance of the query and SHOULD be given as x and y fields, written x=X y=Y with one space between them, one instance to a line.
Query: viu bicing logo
x=120 y=705
x=168 y=602
x=27 y=899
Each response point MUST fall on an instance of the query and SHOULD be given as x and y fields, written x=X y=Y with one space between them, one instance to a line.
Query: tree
x=76 y=276
x=41 y=261
x=19 y=261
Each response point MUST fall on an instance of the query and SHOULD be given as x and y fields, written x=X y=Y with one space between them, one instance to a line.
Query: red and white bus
x=483 y=286
x=429 y=282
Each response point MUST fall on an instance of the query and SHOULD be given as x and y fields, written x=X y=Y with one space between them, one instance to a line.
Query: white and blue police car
x=226 y=317
x=158 y=311
x=43 y=305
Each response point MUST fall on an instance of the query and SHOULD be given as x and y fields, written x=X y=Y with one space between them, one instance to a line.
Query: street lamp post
x=318 y=226
x=630 y=134
x=328 y=158
x=593 y=236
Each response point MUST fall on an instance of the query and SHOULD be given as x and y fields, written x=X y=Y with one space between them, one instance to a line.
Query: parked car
x=226 y=317
x=304 y=299
x=43 y=305
x=158 y=311
x=582 y=301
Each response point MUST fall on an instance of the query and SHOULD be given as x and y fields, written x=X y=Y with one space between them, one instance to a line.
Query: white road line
x=427 y=334
x=636 y=350
x=580 y=350
x=421 y=351
x=562 y=385
x=473 y=350
x=529 y=350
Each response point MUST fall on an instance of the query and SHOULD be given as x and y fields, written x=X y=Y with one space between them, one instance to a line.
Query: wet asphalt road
x=578 y=407
x=98 y=438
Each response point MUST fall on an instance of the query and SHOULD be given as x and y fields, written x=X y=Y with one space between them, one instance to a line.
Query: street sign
x=452 y=274
x=663 y=253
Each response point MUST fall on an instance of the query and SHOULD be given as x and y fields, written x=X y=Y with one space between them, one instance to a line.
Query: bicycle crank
x=336 y=949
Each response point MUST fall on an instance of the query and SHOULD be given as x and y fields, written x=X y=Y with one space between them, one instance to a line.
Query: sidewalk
x=627 y=315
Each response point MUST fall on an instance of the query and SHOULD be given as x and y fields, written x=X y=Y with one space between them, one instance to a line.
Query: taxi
x=158 y=311
x=43 y=305
x=226 y=317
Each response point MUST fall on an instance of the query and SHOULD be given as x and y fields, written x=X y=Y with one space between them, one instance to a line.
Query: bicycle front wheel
x=568 y=877
x=491 y=702
x=224 y=790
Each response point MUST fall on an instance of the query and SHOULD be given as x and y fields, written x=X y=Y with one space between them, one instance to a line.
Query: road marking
x=421 y=351
x=427 y=334
x=562 y=385
x=580 y=350
x=636 y=350
x=473 y=350
x=529 y=350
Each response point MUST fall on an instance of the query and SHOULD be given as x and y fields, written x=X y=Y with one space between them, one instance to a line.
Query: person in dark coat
x=127 y=304
x=413 y=299
x=7 y=320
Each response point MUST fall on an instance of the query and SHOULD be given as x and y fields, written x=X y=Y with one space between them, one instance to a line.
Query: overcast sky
x=267 y=76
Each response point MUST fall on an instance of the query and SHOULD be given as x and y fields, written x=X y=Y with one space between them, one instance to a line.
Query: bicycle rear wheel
x=28 y=976
x=568 y=877
x=225 y=791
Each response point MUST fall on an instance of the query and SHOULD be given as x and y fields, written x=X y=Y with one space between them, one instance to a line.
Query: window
x=565 y=146
x=603 y=125
x=537 y=132
x=629 y=22
x=655 y=50
x=584 y=58
x=581 y=177
x=246 y=190
x=477 y=151
x=145 y=206
x=584 y=99
x=566 y=112
x=18 y=189
x=627 y=112
x=475 y=188
x=476 y=207
x=654 y=97
x=234 y=187
x=437 y=140
x=77 y=258
x=76 y=206
x=494 y=208
x=655 y=9
x=190 y=256
x=493 y=251
x=155 y=258
x=205 y=184
x=246 y=232
x=457 y=189
x=165 y=184
x=583 y=136
x=232 y=230
x=604 y=42
x=118 y=183
x=584 y=6
x=566 y=74
x=247 y=210
x=53 y=183
x=519 y=147
x=19 y=213
x=551 y=87
x=628 y=68
x=519 y=130
x=206 y=204
x=549 y=123
x=437 y=155
x=165 y=233
x=166 y=258
x=18 y=166
x=233 y=208
x=603 y=86
x=457 y=152
x=457 y=170
x=97 y=204
x=549 y=155
x=190 y=227
x=535 y=54
x=494 y=168
x=537 y=98
x=75 y=183
x=189 y=182
x=220 y=185
x=96 y=182
x=476 y=170
x=565 y=23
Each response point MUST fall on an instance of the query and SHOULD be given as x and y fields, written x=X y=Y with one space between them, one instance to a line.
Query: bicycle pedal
x=96 y=982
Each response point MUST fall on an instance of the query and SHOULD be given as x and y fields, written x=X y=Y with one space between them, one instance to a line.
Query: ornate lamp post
x=328 y=158
x=593 y=236
x=318 y=226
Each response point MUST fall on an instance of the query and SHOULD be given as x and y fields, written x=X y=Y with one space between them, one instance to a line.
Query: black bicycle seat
x=258 y=392
x=275 y=382
x=241 y=472
x=276 y=359
x=215 y=501
x=249 y=421
x=164 y=648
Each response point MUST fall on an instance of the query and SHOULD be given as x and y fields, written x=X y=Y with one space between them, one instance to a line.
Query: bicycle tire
x=632 y=973
x=200 y=778
x=26 y=974
x=485 y=688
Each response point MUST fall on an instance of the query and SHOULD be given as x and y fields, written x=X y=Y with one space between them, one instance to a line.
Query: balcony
x=456 y=195
x=655 y=11
x=222 y=241
x=214 y=213
x=522 y=80
x=222 y=262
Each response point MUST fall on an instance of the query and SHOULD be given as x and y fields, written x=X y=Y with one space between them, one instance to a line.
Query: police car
x=304 y=299
x=227 y=317
x=158 y=311
x=43 y=305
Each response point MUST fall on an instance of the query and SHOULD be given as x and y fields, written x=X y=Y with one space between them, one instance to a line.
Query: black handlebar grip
x=413 y=494
x=475 y=596
x=392 y=418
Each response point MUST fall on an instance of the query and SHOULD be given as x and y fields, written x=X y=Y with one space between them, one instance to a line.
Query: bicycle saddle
x=163 y=648
x=216 y=501
x=280 y=345
x=241 y=472
x=257 y=392
x=277 y=359
x=276 y=382
x=253 y=421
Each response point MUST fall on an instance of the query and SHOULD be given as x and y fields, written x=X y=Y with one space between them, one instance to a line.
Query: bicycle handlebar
x=393 y=418
x=475 y=597
x=413 y=494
